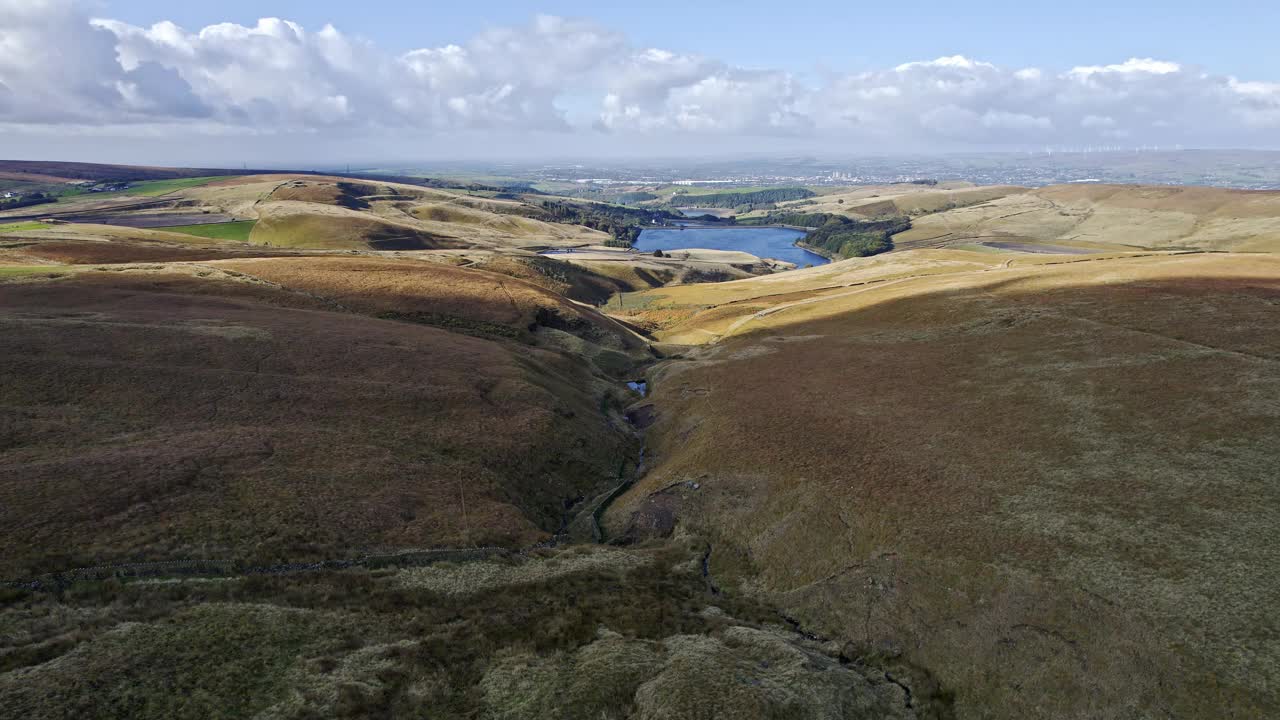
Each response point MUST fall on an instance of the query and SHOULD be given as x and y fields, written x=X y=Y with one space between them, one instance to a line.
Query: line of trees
x=797 y=219
x=27 y=201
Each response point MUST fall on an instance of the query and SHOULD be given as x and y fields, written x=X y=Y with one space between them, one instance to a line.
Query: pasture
x=7 y=228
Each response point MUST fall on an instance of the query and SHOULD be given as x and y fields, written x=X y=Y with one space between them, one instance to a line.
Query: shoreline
x=831 y=257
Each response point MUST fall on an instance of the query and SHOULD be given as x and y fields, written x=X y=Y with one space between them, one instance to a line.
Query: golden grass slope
x=1111 y=217
x=700 y=314
x=1052 y=486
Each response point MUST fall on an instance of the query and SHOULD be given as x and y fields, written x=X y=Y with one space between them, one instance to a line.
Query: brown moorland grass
x=97 y=253
x=68 y=171
x=32 y=177
x=1052 y=487
x=568 y=279
x=1041 y=481
x=348 y=194
x=463 y=299
x=152 y=415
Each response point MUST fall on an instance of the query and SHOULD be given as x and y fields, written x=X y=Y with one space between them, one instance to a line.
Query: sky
x=321 y=83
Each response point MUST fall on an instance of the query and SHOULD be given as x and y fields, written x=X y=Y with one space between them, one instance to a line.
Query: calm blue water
x=776 y=243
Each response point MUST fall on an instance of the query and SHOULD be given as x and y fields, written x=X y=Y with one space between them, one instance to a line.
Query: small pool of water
x=639 y=386
x=776 y=243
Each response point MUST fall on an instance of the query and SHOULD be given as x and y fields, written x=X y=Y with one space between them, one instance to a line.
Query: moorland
x=290 y=445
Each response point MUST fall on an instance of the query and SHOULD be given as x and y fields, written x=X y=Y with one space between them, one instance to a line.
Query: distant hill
x=43 y=171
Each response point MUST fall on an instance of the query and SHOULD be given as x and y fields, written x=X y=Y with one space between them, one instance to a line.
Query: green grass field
x=235 y=231
x=153 y=188
x=21 y=227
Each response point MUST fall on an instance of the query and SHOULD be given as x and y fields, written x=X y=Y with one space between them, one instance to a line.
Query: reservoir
x=776 y=243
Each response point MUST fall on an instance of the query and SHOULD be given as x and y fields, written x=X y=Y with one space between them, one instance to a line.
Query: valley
x=357 y=446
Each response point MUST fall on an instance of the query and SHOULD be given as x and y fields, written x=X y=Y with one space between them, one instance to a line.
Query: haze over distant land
x=1244 y=169
x=77 y=83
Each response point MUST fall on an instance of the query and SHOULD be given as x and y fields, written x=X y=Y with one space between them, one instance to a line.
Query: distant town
x=1242 y=169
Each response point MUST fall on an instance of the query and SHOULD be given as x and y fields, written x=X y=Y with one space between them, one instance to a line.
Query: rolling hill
x=1110 y=217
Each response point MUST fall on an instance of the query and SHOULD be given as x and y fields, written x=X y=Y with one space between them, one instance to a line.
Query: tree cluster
x=623 y=223
x=629 y=198
x=845 y=237
x=27 y=201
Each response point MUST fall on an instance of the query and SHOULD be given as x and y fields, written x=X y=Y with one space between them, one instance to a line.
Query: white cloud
x=57 y=68
x=61 y=68
x=957 y=101
x=958 y=62
x=1131 y=66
